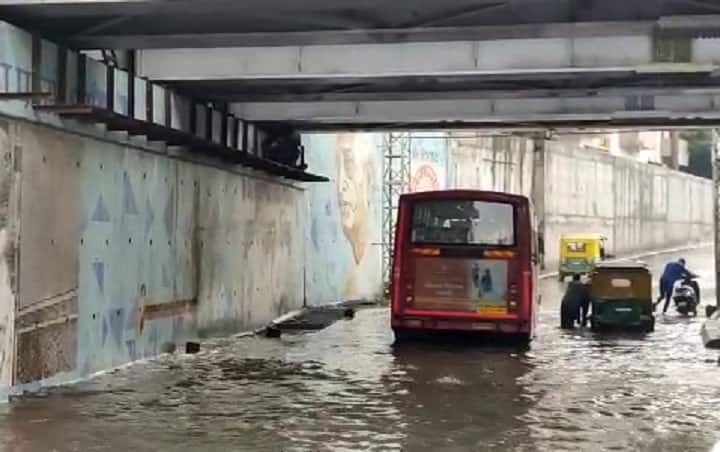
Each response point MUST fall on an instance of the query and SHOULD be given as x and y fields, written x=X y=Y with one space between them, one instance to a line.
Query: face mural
x=355 y=174
x=354 y=180
x=344 y=257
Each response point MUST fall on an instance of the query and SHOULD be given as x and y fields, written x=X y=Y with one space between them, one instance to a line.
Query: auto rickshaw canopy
x=621 y=281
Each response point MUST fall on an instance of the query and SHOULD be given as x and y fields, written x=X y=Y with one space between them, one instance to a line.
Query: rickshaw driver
x=675 y=271
x=575 y=304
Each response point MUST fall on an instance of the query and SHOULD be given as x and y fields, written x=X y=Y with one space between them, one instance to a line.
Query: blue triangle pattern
x=99 y=270
x=169 y=214
x=101 y=214
x=129 y=204
x=150 y=216
x=104 y=330
x=117 y=318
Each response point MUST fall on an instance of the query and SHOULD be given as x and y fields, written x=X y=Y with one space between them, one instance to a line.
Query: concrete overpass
x=347 y=64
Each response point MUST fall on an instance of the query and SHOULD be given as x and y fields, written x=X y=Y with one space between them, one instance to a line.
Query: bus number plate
x=483 y=326
x=492 y=310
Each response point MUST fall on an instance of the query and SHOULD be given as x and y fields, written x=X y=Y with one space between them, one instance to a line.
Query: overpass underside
x=325 y=65
x=210 y=81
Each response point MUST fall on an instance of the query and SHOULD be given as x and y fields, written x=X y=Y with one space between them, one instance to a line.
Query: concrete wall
x=124 y=250
x=8 y=235
x=490 y=163
x=637 y=206
x=343 y=230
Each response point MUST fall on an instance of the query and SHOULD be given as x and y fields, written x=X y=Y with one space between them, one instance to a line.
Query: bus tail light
x=527 y=294
x=498 y=254
x=426 y=251
x=513 y=298
x=412 y=323
x=409 y=298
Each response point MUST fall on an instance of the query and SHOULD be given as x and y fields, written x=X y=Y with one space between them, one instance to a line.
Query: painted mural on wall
x=428 y=161
x=343 y=253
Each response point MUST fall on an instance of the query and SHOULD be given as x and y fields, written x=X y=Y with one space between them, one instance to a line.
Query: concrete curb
x=646 y=254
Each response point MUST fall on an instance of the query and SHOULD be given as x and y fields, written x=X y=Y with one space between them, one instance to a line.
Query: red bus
x=464 y=260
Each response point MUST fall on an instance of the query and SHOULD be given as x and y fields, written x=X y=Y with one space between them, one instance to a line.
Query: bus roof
x=465 y=195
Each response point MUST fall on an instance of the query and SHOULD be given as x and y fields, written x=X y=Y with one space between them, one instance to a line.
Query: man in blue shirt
x=674 y=271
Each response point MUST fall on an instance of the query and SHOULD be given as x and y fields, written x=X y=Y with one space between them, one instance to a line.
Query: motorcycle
x=684 y=297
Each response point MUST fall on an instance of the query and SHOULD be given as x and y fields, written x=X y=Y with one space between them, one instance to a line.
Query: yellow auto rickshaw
x=580 y=252
x=621 y=297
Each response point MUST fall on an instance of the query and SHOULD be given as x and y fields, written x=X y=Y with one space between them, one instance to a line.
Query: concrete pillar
x=537 y=192
x=716 y=210
x=674 y=150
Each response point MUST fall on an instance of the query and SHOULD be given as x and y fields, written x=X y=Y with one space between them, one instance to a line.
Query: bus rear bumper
x=485 y=325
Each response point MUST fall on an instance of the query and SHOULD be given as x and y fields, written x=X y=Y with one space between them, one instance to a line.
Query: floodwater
x=347 y=388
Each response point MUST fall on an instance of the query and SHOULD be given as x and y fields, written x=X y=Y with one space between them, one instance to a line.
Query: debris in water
x=192 y=347
x=273 y=331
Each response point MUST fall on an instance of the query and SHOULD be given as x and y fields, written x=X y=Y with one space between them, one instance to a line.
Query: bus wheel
x=523 y=340
x=403 y=335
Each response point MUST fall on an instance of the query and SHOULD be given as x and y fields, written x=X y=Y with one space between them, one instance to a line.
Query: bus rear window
x=462 y=222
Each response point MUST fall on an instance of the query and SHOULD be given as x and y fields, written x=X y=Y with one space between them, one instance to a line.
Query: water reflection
x=348 y=388
x=469 y=396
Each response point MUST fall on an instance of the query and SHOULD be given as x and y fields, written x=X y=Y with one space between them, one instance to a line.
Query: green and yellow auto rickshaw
x=621 y=297
x=579 y=253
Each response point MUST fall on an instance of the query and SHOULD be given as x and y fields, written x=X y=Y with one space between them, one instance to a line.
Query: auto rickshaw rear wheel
x=649 y=326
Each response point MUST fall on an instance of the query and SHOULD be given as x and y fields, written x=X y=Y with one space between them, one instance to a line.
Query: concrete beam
x=632 y=110
x=396 y=95
x=71 y=3
x=369 y=36
x=640 y=52
x=677 y=25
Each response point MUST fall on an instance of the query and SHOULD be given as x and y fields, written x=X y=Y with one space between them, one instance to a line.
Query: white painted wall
x=490 y=163
x=637 y=206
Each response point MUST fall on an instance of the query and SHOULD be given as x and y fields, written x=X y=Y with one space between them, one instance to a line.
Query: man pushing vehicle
x=575 y=304
x=675 y=271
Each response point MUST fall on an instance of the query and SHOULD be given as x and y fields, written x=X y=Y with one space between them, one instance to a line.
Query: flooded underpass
x=348 y=388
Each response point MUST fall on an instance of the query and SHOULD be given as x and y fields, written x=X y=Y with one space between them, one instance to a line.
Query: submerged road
x=347 y=388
